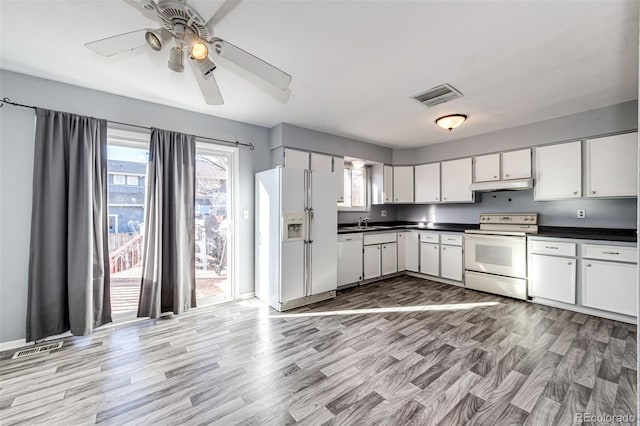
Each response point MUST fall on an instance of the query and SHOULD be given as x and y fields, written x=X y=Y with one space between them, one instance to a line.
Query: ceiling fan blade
x=252 y=63
x=222 y=11
x=208 y=86
x=117 y=44
x=148 y=13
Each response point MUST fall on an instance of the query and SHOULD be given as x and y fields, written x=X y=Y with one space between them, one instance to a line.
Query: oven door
x=496 y=254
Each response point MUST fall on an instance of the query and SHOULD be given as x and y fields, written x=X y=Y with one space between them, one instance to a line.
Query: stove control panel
x=509 y=218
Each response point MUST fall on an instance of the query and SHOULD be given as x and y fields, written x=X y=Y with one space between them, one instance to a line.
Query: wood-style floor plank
x=471 y=358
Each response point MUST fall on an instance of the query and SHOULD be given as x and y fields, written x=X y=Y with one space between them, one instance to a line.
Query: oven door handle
x=491 y=237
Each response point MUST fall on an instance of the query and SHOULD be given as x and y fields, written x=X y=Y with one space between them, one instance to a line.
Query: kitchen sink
x=364 y=228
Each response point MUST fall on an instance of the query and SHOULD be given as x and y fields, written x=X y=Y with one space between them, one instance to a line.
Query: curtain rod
x=236 y=143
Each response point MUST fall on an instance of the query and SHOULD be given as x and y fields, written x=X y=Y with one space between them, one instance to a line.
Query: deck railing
x=127 y=256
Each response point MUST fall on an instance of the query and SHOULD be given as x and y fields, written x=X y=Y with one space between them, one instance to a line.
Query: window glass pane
x=132 y=180
x=126 y=227
x=212 y=228
x=358 y=185
x=347 y=187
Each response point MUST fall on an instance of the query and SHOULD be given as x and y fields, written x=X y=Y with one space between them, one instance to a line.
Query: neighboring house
x=126 y=195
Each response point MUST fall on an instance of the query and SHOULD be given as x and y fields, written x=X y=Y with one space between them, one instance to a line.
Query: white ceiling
x=355 y=65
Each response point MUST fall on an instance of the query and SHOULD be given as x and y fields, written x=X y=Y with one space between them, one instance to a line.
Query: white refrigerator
x=296 y=245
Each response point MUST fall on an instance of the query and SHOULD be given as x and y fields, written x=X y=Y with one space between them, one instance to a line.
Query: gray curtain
x=168 y=268
x=69 y=285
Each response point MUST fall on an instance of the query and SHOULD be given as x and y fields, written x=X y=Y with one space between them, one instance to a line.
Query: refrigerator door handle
x=306 y=190
x=312 y=217
x=310 y=275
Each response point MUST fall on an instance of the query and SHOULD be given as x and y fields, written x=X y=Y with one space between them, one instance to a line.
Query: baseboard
x=249 y=295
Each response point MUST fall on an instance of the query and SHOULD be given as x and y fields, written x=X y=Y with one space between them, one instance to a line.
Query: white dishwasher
x=349 y=258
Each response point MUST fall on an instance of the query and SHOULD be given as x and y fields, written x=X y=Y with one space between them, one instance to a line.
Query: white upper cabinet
x=338 y=168
x=403 y=184
x=558 y=171
x=516 y=164
x=294 y=159
x=427 y=183
x=321 y=162
x=456 y=178
x=381 y=184
x=612 y=166
x=487 y=168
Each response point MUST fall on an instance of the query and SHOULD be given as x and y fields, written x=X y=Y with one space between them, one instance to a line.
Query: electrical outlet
x=581 y=214
x=246 y=214
x=383 y=213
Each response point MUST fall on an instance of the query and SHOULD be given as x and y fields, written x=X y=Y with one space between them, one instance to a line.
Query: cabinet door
x=451 y=262
x=338 y=169
x=610 y=286
x=402 y=251
x=387 y=185
x=516 y=164
x=427 y=183
x=321 y=162
x=372 y=266
x=381 y=184
x=349 y=262
x=558 y=171
x=389 y=262
x=430 y=259
x=487 y=168
x=456 y=178
x=552 y=278
x=412 y=252
x=294 y=159
x=403 y=184
x=612 y=166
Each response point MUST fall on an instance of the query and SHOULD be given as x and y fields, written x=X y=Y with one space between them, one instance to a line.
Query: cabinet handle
x=378 y=247
x=611 y=252
x=575 y=192
x=593 y=192
x=505 y=175
x=445 y=198
x=436 y=198
x=551 y=247
x=435 y=248
x=444 y=248
x=588 y=265
x=569 y=263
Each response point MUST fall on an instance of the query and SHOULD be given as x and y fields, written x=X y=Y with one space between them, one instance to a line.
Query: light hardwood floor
x=401 y=351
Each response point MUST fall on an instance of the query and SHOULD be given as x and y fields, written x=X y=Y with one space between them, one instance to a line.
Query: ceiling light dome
x=357 y=164
x=450 y=122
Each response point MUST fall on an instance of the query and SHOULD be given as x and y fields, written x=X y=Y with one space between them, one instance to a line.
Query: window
x=132 y=180
x=118 y=179
x=355 y=189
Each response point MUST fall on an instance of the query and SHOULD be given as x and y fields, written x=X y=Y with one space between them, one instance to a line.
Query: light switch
x=383 y=213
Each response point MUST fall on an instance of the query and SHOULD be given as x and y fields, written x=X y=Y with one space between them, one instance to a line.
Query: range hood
x=502 y=185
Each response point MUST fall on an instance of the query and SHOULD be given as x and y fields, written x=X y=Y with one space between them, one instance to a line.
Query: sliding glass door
x=214 y=219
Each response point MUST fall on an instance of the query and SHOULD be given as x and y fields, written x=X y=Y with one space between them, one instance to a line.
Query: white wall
x=17 y=127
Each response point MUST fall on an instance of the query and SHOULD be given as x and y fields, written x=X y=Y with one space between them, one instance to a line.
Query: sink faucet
x=366 y=221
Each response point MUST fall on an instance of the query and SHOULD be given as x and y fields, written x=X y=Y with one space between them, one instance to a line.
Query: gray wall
x=375 y=214
x=600 y=213
x=619 y=213
x=612 y=119
x=16 y=169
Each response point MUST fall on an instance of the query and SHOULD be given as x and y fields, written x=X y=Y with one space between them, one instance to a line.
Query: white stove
x=496 y=254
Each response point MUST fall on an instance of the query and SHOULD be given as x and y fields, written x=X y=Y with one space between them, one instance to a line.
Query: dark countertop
x=605 y=234
x=608 y=234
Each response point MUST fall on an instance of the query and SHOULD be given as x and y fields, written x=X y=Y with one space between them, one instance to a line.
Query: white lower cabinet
x=451 y=262
x=389 y=258
x=408 y=252
x=430 y=259
x=349 y=259
x=610 y=286
x=552 y=278
x=372 y=262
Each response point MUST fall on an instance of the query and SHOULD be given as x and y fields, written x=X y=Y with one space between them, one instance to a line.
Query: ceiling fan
x=194 y=36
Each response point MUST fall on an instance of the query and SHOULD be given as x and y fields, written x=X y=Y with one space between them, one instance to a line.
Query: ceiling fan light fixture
x=450 y=122
x=156 y=39
x=199 y=51
x=176 y=57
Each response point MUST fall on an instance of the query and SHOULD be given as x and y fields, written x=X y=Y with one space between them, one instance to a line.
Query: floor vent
x=37 y=350
x=438 y=95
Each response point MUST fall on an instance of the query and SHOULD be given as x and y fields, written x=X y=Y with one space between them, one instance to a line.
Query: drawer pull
x=349 y=239
x=444 y=248
x=611 y=252
x=569 y=263
x=551 y=247
x=588 y=265
x=575 y=192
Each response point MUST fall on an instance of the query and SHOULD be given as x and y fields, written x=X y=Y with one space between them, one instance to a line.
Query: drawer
x=349 y=237
x=451 y=239
x=388 y=237
x=552 y=248
x=616 y=253
x=429 y=237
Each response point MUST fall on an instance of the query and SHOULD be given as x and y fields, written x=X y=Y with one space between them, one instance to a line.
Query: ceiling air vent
x=438 y=95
